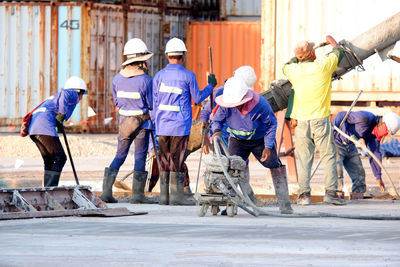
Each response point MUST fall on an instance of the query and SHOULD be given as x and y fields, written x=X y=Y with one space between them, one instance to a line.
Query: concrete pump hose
x=258 y=211
x=371 y=154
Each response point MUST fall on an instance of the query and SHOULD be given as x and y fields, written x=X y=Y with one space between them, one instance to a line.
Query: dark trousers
x=52 y=152
x=243 y=148
x=172 y=152
x=141 y=141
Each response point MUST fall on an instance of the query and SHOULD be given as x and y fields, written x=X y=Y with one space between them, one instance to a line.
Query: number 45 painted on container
x=72 y=24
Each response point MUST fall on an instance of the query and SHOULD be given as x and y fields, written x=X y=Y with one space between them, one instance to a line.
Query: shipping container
x=233 y=44
x=285 y=22
x=240 y=10
x=43 y=43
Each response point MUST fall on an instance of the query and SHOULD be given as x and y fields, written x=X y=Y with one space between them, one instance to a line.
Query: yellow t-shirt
x=312 y=84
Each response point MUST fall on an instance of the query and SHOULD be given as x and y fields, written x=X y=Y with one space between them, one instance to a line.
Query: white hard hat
x=175 y=47
x=392 y=121
x=136 y=50
x=236 y=92
x=76 y=83
x=247 y=74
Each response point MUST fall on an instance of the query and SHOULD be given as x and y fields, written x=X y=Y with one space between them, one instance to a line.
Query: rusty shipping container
x=233 y=44
x=285 y=22
x=43 y=43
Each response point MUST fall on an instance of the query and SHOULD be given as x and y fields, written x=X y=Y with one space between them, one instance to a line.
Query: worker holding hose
x=248 y=75
x=48 y=117
x=132 y=95
x=372 y=129
x=252 y=126
x=312 y=84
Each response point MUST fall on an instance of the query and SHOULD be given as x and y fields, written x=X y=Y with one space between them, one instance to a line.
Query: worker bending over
x=248 y=75
x=371 y=128
x=173 y=88
x=312 y=83
x=48 y=117
x=131 y=89
x=252 y=125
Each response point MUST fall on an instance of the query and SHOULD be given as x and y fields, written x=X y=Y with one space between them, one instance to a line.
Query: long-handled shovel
x=70 y=157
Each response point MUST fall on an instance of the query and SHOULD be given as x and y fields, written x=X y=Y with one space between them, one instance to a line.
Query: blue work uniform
x=133 y=96
x=359 y=125
x=43 y=120
x=42 y=128
x=206 y=112
x=173 y=88
x=251 y=130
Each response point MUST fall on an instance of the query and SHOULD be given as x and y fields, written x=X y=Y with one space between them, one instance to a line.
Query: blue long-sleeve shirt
x=259 y=122
x=133 y=96
x=206 y=112
x=173 y=88
x=359 y=124
x=43 y=121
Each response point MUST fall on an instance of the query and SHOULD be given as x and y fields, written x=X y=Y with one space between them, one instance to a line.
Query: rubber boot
x=51 y=178
x=108 y=181
x=248 y=190
x=281 y=189
x=138 y=184
x=164 y=188
x=177 y=182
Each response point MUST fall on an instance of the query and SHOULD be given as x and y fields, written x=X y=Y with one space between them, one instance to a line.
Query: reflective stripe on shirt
x=130 y=95
x=41 y=109
x=169 y=108
x=242 y=133
x=125 y=112
x=170 y=89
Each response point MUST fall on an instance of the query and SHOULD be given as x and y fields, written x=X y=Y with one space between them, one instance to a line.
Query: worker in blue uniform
x=173 y=88
x=372 y=129
x=132 y=94
x=48 y=117
x=252 y=125
x=248 y=75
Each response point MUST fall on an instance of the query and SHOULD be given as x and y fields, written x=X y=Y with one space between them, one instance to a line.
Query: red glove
x=330 y=40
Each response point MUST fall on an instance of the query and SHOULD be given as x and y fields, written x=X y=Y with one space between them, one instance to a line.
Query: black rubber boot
x=138 y=184
x=51 y=178
x=177 y=183
x=164 y=188
x=281 y=189
x=108 y=182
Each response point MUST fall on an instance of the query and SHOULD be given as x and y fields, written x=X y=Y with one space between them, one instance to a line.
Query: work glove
x=212 y=80
x=204 y=128
x=60 y=122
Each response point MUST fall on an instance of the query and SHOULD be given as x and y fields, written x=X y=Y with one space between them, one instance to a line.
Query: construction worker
x=252 y=125
x=132 y=94
x=372 y=129
x=248 y=75
x=173 y=88
x=312 y=83
x=48 y=117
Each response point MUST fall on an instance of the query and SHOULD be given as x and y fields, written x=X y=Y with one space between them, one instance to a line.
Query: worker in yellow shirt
x=312 y=84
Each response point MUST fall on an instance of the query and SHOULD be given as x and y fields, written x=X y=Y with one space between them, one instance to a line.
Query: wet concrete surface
x=176 y=236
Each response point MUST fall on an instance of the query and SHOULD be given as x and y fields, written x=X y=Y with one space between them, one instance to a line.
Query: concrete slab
x=175 y=236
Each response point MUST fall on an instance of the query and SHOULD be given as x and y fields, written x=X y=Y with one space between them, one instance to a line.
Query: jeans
x=243 y=148
x=141 y=140
x=350 y=160
x=311 y=135
x=52 y=152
